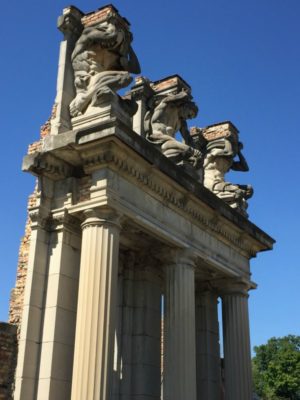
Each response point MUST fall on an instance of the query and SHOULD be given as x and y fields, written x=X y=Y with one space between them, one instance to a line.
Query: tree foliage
x=276 y=369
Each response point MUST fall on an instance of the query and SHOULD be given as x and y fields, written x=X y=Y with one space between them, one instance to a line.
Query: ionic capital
x=101 y=217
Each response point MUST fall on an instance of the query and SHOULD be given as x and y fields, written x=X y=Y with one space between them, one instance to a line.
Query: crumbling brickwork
x=17 y=293
x=8 y=356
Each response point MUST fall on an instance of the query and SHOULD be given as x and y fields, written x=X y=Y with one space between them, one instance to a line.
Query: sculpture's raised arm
x=241 y=164
x=222 y=146
x=102 y=60
x=168 y=112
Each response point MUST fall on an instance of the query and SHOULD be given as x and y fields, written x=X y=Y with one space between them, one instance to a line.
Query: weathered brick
x=8 y=357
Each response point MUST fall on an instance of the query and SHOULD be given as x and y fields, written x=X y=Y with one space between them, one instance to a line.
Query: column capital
x=101 y=216
x=239 y=287
x=177 y=256
x=39 y=216
x=204 y=287
x=63 y=220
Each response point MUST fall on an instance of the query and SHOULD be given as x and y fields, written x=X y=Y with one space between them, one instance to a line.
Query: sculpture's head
x=189 y=110
x=111 y=34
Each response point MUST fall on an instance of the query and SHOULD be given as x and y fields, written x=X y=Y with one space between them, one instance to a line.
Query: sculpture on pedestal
x=102 y=61
x=222 y=148
x=167 y=115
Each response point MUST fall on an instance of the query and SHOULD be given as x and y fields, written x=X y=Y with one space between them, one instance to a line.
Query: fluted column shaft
x=180 y=349
x=207 y=345
x=96 y=310
x=237 y=353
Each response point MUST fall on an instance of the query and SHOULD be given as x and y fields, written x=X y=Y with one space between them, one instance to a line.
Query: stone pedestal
x=179 y=380
x=96 y=311
x=207 y=345
x=237 y=352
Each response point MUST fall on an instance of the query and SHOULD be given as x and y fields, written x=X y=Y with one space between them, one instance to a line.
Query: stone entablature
x=117 y=150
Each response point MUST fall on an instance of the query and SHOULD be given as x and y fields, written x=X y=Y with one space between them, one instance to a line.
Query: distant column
x=96 y=310
x=146 y=332
x=139 y=351
x=207 y=345
x=180 y=348
x=237 y=353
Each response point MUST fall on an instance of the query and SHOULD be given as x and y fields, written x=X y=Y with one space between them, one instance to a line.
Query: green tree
x=276 y=369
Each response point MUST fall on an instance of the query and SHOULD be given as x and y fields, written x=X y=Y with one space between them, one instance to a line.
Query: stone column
x=146 y=332
x=126 y=313
x=141 y=329
x=96 y=310
x=118 y=361
x=179 y=382
x=57 y=347
x=207 y=345
x=237 y=352
x=29 y=345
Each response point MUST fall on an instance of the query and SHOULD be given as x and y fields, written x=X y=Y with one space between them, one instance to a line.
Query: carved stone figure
x=102 y=61
x=222 y=148
x=168 y=115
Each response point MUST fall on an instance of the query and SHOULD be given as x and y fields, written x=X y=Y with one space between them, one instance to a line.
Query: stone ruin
x=133 y=236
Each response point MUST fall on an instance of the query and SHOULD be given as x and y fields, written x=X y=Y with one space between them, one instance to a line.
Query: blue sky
x=242 y=60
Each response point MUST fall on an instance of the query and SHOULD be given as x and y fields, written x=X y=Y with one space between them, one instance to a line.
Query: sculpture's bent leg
x=180 y=152
x=99 y=85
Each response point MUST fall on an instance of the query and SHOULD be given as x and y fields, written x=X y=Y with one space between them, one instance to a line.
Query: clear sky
x=242 y=59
